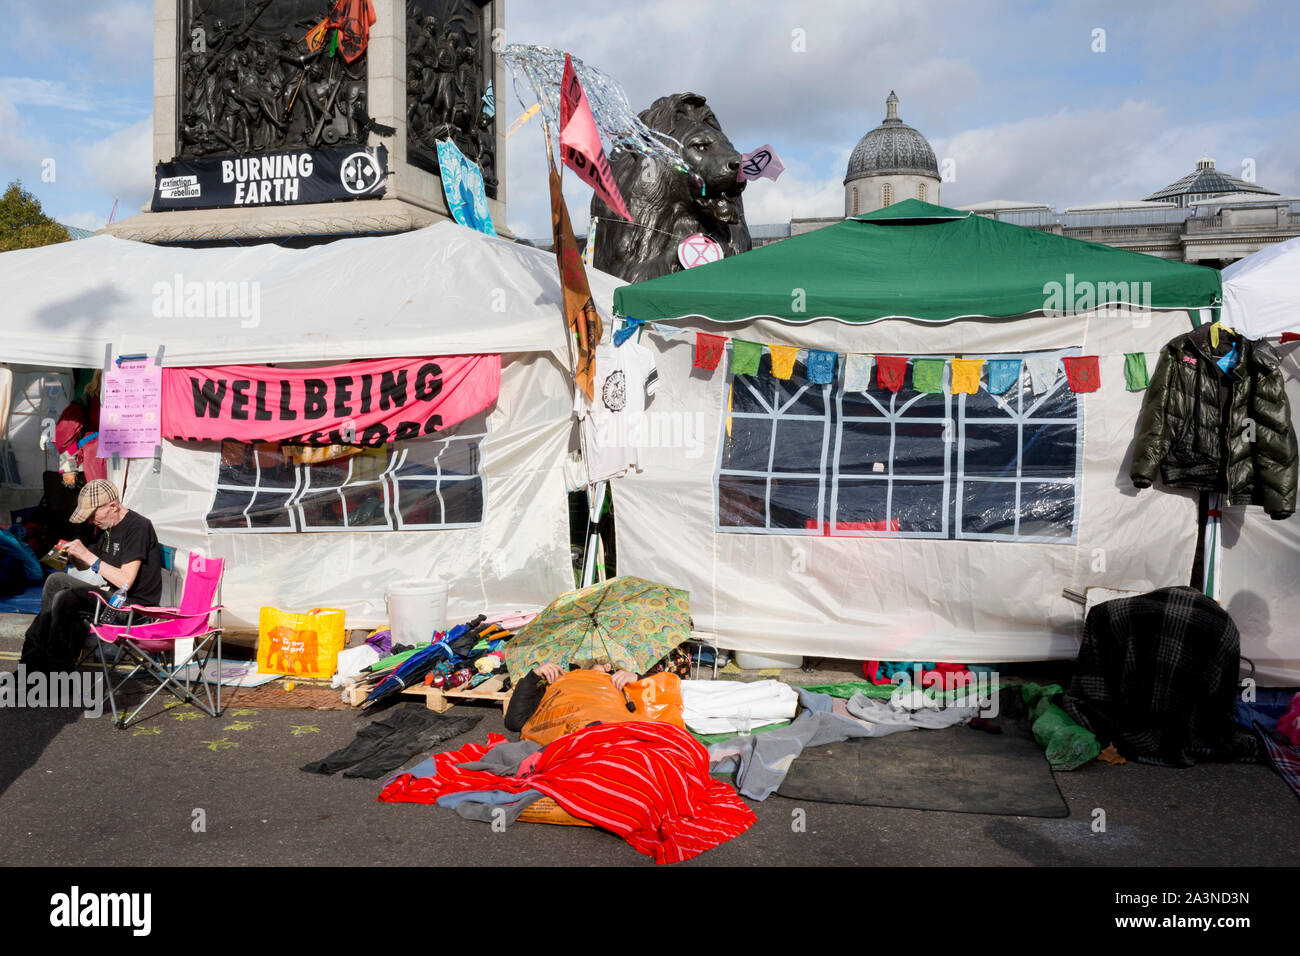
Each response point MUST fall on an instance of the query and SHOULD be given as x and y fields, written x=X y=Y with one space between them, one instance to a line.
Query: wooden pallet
x=435 y=698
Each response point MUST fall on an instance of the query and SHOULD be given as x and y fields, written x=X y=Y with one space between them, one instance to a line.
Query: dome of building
x=1205 y=182
x=892 y=148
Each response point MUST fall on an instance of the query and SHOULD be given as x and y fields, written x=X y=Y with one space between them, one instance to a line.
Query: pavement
x=227 y=792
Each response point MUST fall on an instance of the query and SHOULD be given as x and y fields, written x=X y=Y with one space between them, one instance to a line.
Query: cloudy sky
x=1063 y=103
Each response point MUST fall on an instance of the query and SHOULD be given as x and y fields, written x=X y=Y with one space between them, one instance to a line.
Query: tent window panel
x=923 y=405
x=228 y=508
x=751 y=394
x=1048 y=450
x=795 y=504
x=421 y=484
x=1047 y=509
x=798 y=446
x=988 y=508
x=366 y=506
x=870 y=404
x=742 y=502
x=749 y=446
x=990 y=451
x=1059 y=403
x=864 y=448
x=918 y=507
x=862 y=505
x=920 y=448
x=462 y=501
x=321 y=510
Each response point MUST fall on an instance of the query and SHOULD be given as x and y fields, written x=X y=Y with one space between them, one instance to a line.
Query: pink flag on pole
x=580 y=146
x=762 y=163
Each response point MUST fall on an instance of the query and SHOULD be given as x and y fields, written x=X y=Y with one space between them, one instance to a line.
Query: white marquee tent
x=443 y=290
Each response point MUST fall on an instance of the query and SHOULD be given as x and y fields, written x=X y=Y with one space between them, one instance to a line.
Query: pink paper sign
x=130 y=415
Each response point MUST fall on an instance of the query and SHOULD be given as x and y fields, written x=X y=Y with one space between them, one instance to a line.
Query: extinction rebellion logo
x=360 y=173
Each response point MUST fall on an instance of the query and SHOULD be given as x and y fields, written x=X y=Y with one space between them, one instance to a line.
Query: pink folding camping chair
x=146 y=645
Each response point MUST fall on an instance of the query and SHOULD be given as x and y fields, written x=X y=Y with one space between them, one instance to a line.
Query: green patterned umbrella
x=629 y=622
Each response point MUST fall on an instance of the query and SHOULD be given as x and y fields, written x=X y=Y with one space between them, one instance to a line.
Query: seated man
x=123 y=550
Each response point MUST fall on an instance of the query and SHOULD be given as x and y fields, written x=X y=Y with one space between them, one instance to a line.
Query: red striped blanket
x=647 y=782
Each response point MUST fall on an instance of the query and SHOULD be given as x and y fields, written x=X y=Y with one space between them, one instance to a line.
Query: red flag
x=352 y=18
x=580 y=146
x=708 y=350
x=1082 y=372
x=890 y=370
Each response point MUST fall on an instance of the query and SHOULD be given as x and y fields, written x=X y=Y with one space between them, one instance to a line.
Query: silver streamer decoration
x=619 y=125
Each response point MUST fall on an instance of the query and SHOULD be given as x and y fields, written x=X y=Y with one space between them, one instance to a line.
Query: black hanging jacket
x=1215 y=431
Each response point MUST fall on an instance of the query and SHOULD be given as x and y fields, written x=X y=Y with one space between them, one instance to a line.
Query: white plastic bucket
x=416 y=608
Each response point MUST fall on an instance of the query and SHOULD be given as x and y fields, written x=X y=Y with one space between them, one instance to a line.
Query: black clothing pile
x=1157 y=676
x=385 y=744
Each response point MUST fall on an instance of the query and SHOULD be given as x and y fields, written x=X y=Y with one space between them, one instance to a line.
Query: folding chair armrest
x=171 y=613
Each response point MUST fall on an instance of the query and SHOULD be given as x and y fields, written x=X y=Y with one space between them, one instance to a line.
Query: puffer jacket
x=1197 y=423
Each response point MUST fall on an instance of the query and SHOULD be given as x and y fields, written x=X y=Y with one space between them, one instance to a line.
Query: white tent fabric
x=1261 y=557
x=1261 y=293
x=893 y=598
x=444 y=290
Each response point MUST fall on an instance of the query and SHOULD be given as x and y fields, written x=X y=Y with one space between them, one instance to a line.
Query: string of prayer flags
x=745 y=357
x=1042 y=373
x=1003 y=373
x=1082 y=372
x=708 y=350
x=890 y=370
x=628 y=330
x=857 y=372
x=927 y=374
x=783 y=357
x=821 y=367
x=966 y=376
x=1135 y=371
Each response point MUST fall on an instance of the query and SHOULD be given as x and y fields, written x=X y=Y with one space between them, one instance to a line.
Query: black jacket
x=1232 y=433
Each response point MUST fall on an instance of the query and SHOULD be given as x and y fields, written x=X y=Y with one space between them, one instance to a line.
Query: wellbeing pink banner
x=361 y=403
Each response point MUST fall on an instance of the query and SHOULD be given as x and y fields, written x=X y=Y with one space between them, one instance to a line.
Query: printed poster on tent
x=462 y=182
x=130 y=416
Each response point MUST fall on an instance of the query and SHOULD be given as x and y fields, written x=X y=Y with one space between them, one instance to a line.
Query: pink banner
x=360 y=403
x=580 y=146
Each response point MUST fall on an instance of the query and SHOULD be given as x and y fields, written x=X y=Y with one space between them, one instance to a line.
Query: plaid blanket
x=1157 y=675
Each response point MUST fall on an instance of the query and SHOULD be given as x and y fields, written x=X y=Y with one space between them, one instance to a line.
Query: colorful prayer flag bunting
x=1083 y=373
x=708 y=350
x=857 y=372
x=1135 y=371
x=821 y=367
x=927 y=374
x=890 y=370
x=783 y=357
x=745 y=357
x=966 y=376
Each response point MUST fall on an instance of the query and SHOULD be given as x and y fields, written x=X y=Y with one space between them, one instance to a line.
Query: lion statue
x=668 y=204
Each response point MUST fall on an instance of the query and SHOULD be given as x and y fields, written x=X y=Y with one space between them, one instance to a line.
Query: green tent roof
x=920 y=261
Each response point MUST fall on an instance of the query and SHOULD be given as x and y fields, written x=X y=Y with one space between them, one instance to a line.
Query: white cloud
x=122 y=165
x=106 y=39
x=21 y=151
x=85 y=220
x=29 y=91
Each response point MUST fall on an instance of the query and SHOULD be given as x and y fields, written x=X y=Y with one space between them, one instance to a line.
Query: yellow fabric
x=966 y=376
x=783 y=357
